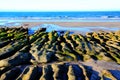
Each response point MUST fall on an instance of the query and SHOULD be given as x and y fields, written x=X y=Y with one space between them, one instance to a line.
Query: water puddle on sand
x=10 y=24
x=51 y=27
x=82 y=30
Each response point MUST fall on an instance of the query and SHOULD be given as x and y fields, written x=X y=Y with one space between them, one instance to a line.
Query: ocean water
x=104 y=14
x=57 y=16
x=6 y=18
x=15 y=19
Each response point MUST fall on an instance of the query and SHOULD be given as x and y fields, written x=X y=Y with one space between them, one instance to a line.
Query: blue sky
x=59 y=5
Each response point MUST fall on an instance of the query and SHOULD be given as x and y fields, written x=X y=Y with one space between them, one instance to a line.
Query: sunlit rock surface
x=50 y=55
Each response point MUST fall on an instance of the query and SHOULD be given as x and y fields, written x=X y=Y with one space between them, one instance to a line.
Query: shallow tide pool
x=51 y=27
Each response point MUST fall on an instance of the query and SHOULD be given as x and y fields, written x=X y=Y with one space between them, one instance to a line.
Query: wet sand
x=74 y=24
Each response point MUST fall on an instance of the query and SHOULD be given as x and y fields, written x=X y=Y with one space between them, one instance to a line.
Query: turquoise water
x=17 y=22
x=83 y=30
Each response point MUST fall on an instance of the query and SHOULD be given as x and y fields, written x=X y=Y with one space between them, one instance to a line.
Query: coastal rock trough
x=50 y=56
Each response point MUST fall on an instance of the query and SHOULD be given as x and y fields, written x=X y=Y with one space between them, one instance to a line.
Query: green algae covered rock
x=49 y=56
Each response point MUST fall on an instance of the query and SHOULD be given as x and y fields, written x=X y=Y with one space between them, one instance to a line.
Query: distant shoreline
x=74 y=24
